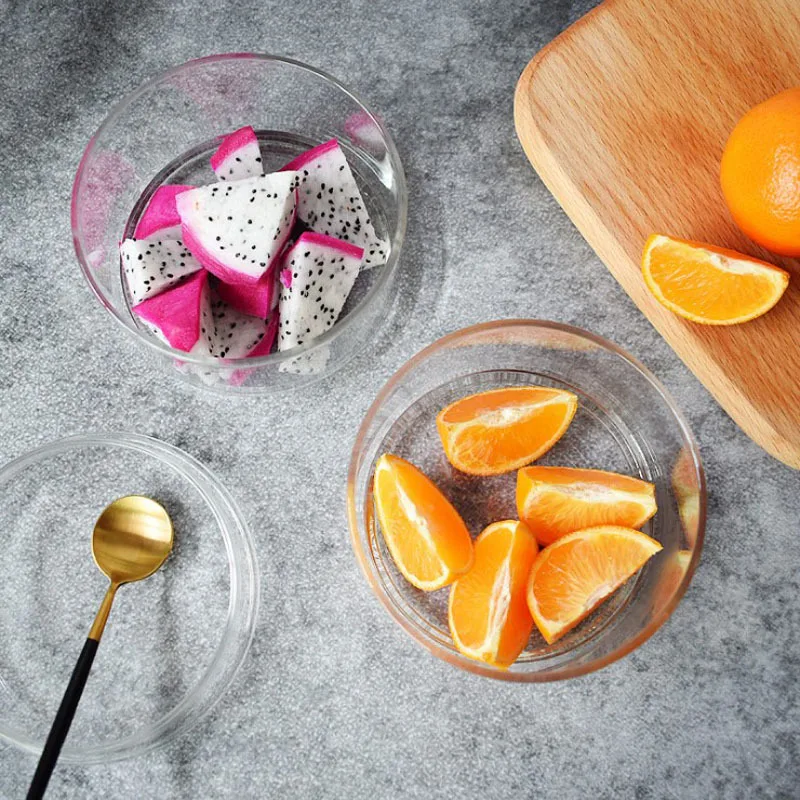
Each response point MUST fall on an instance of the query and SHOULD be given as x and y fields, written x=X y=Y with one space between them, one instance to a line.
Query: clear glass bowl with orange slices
x=561 y=429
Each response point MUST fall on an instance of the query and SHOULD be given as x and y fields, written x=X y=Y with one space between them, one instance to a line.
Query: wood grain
x=625 y=116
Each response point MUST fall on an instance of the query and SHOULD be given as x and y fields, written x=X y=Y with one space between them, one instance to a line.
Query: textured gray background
x=334 y=700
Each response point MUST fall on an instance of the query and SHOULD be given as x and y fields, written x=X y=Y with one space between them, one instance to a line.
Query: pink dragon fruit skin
x=329 y=201
x=238 y=157
x=237 y=230
x=257 y=299
x=161 y=215
x=322 y=270
x=181 y=316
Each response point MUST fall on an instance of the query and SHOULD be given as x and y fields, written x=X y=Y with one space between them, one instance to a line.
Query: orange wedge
x=488 y=615
x=555 y=501
x=572 y=576
x=708 y=284
x=426 y=536
x=504 y=429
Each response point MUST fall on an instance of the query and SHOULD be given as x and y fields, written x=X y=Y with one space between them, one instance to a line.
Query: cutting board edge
x=729 y=396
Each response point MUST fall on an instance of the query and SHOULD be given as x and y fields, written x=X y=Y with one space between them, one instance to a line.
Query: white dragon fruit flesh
x=181 y=316
x=161 y=215
x=329 y=200
x=153 y=265
x=236 y=335
x=256 y=299
x=317 y=276
x=238 y=157
x=236 y=230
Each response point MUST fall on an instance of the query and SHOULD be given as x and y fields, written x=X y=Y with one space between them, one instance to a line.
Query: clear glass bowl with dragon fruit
x=242 y=217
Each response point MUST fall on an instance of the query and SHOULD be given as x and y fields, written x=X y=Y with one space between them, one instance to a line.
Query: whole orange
x=760 y=173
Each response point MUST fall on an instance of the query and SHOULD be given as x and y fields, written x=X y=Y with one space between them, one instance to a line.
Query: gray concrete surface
x=334 y=700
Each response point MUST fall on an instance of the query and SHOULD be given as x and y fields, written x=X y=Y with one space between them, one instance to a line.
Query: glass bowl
x=174 y=641
x=626 y=422
x=165 y=131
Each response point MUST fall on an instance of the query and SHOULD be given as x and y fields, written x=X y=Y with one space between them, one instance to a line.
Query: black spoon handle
x=66 y=711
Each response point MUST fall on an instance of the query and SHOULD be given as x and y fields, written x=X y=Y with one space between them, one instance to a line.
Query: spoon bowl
x=132 y=538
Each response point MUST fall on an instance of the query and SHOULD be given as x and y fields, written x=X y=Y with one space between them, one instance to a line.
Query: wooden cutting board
x=625 y=116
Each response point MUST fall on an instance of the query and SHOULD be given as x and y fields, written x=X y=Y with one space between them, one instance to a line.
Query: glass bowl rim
x=243 y=601
x=456 y=659
x=387 y=271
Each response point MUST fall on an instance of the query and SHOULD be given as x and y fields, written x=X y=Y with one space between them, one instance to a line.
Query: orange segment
x=504 y=429
x=572 y=576
x=426 y=536
x=488 y=615
x=710 y=285
x=555 y=501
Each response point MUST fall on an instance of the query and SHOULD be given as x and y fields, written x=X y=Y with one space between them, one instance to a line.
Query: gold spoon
x=131 y=540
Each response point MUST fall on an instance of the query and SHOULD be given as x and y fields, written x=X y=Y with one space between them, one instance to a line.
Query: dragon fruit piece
x=322 y=271
x=238 y=157
x=181 y=316
x=235 y=335
x=161 y=215
x=153 y=265
x=257 y=299
x=263 y=348
x=329 y=201
x=236 y=230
